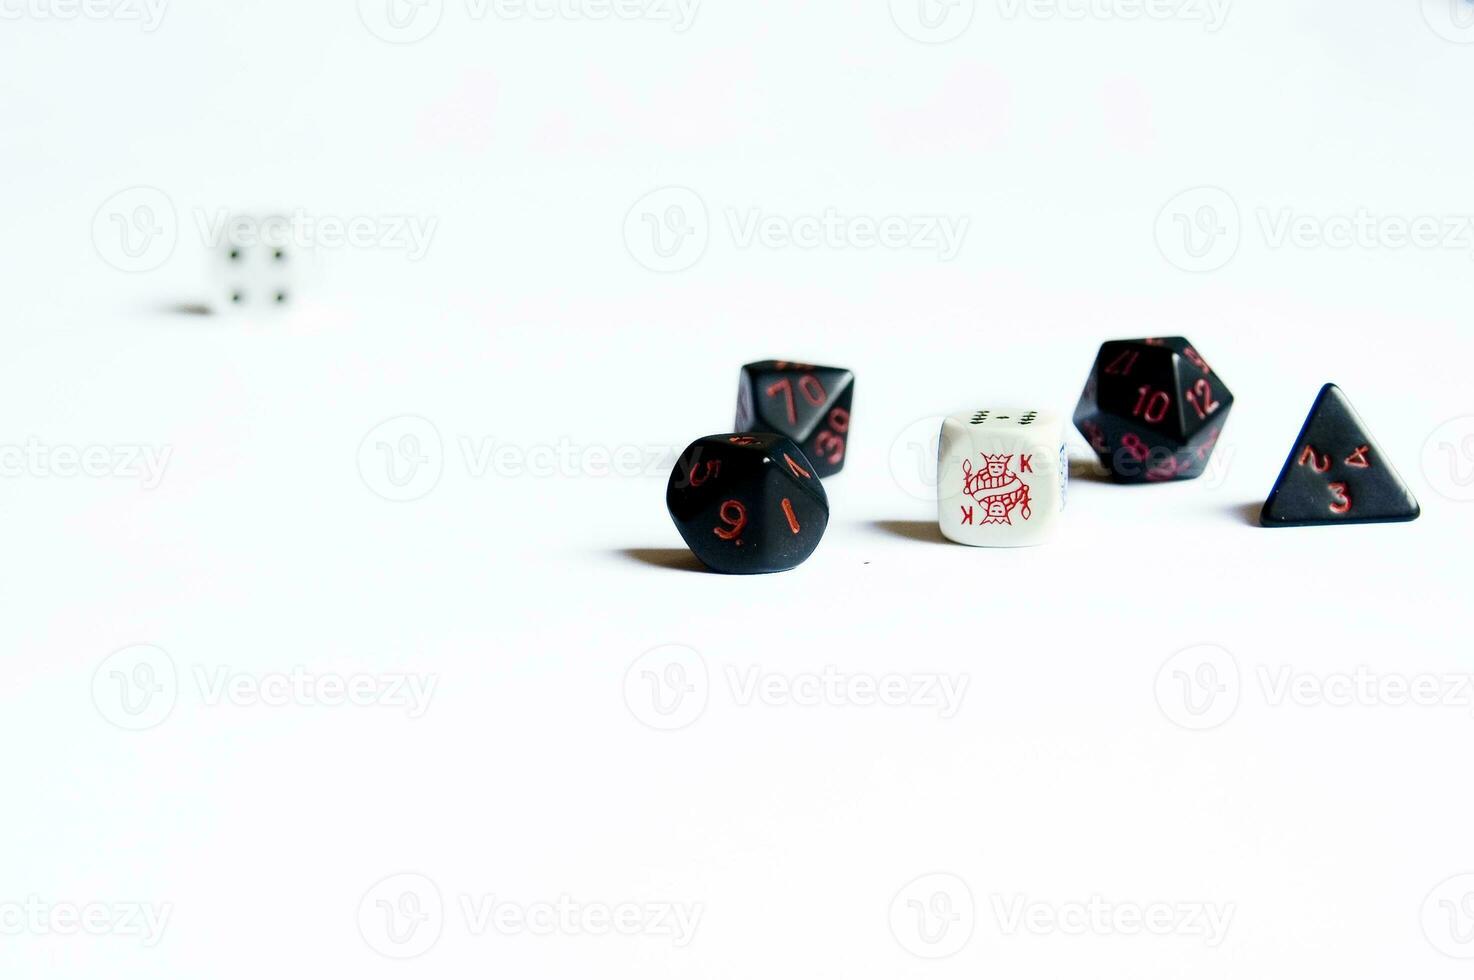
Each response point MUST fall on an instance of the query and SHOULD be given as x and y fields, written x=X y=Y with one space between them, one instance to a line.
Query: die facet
x=805 y=402
x=255 y=266
x=1153 y=410
x=747 y=502
x=1003 y=476
x=1337 y=474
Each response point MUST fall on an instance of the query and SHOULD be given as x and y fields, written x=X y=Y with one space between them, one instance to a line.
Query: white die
x=1002 y=477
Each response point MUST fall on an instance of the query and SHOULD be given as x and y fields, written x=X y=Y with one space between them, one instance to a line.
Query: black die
x=807 y=403
x=1153 y=410
x=747 y=503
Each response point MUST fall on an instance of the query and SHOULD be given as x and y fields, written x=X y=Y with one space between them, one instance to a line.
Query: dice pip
x=747 y=503
x=1337 y=474
x=1002 y=477
x=805 y=402
x=1153 y=410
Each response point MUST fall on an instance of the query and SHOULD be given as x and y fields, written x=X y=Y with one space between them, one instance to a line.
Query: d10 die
x=747 y=502
x=1153 y=410
x=1002 y=477
x=806 y=403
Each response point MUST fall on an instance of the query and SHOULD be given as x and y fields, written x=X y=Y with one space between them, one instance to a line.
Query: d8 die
x=806 y=403
x=1002 y=477
x=747 y=503
x=1153 y=410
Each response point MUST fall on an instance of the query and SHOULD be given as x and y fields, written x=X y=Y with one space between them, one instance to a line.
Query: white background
x=528 y=591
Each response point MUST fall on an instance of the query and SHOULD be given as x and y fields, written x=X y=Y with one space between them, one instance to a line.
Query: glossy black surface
x=807 y=403
x=747 y=503
x=1153 y=410
x=1337 y=474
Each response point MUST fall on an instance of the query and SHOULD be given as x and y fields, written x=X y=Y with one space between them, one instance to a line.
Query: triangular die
x=1337 y=474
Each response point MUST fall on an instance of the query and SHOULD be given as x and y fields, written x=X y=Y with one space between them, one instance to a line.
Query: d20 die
x=1153 y=410
x=807 y=403
x=255 y=266
x=747 y=503
x=1002 y=477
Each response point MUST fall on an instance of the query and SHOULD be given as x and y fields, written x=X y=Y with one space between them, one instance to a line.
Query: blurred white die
x=1002 y=477
x=256 y=265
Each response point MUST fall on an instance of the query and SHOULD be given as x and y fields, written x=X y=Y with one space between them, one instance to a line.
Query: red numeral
x=1319 y=462
x=808 y=386
x=1343 y=498
x=1124 y=362
x=830 y=447
x=1131 y=442
x=742 y=441
x=792 y=517
x=734 y=515
x=839 y=420
x=1153 y=403
x=1097 y=438
x=1200 y=397
x=797 y=469
x=713 y=467
x=1361 y=458
x=1197 y=359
